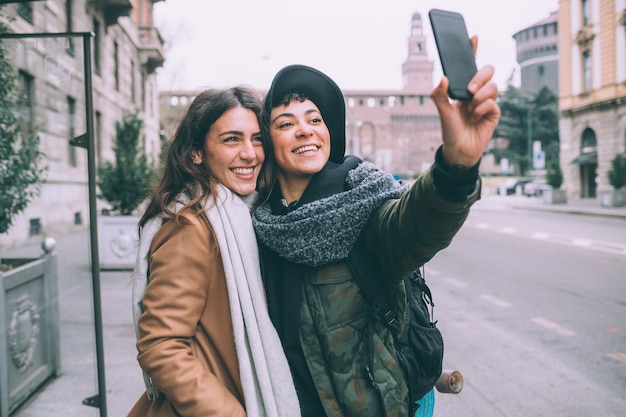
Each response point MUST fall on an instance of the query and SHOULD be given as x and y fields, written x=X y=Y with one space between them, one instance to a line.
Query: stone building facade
x=126 y=50
x=398 y=130
x=538 y=55
x=592 y=92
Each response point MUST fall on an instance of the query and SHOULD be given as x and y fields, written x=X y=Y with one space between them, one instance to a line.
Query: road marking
x=581 y=242
x=550 y=325
x=610 y=247
x=540 y=236
x=495 y=300
x=456 y=282
x=618 y=356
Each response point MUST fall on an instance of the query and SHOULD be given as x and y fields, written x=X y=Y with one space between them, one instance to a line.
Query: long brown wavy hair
x=180 y=175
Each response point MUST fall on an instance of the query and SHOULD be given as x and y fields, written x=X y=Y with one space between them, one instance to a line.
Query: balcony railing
x=113 y=9
x=151 y=48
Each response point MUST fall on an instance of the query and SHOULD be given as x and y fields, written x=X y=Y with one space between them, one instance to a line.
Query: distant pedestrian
x=204 y=338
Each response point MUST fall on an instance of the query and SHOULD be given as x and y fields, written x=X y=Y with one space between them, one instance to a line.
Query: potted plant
x=29 y=340
x=554 y=178
x=124 y=184
x=617 y=178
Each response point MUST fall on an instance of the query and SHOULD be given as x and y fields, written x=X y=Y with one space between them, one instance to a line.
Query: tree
x=125 y=183
x=21 y=161
x=527 y=118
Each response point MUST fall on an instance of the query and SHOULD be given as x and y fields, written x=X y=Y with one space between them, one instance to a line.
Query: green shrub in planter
x=125 y=183
x=617 y=173
x=554 y=176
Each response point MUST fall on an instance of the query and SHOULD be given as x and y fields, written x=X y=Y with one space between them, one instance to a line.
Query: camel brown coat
x=186 y=343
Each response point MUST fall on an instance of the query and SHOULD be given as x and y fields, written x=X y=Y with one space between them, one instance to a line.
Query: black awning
x=589 y=158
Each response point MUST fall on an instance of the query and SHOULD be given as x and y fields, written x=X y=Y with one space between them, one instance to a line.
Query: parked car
x=535 y=188
x=510 y=186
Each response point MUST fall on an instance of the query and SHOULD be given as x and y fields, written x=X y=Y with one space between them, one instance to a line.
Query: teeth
x=305 y=149
x=243 y=171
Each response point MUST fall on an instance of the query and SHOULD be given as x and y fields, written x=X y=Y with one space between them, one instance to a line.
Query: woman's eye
x=284 y=125
x=231 y=139
x=258 y=139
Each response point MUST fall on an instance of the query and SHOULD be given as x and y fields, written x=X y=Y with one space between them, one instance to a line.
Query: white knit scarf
x=265 y=376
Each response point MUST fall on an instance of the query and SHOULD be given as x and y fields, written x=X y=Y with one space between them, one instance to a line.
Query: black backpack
x=420 y=345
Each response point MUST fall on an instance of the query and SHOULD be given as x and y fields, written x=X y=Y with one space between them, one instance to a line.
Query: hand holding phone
x=455 y=51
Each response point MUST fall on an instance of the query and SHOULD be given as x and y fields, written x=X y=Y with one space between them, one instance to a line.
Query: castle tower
x=417 y=70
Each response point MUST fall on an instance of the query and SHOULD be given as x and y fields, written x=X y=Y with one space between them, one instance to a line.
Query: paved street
x=63 y=396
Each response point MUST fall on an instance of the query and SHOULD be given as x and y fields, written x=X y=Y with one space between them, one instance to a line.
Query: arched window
x=588 y=141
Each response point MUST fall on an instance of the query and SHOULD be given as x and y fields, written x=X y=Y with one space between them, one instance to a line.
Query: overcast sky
x=361 y=44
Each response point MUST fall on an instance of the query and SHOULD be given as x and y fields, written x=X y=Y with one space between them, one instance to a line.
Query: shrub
x=617 y=173
x=125 y=183
x=554 y=176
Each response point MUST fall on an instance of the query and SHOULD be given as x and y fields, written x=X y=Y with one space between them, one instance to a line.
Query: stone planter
x=117 y=241
x=554 y=196
x=613 y=198
x=30 y=352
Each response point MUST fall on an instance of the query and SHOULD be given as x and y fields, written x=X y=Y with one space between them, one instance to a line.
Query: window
x=25 y=102
x=96 y=47
x=25 y=11
x=586 y=12
x=98 y=137
x=588 y=141
x=586 y=63
x=34 y=227
x=71 y=128
x=69 y=26
x=133 y=87
x=116 y=68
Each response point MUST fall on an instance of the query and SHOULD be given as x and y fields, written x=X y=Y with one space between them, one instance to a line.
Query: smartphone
x=455 y=51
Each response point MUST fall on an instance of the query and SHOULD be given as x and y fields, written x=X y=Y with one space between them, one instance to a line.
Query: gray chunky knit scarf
x=325 y=230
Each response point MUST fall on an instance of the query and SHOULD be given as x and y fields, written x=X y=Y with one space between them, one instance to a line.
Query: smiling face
x=301 y=142
x=234 y=150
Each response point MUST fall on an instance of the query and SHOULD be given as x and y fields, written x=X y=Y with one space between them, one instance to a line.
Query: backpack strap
x=366 y=274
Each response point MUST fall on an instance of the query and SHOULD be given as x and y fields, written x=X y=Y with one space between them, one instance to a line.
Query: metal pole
x=93 y=225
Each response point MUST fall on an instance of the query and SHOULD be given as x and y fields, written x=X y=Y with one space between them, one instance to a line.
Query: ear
x=196 y=157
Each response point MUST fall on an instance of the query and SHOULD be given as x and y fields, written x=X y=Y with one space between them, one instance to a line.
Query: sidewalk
x=589 y=206
x=63 y=396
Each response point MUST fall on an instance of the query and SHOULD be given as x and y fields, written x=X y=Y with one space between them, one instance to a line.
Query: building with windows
x=398 y=130
x=592 y=92
x=126 y=50
x=538 y=56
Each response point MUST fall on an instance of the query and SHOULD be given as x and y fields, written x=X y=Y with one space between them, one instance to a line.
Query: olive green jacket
x=402 y=235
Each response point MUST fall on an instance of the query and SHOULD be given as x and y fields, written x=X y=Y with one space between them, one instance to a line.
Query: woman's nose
x=247 y=150
x=303 y=130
